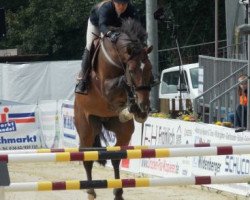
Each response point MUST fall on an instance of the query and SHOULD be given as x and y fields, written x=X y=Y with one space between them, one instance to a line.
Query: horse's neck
x=109 y=55
x=106 y=73
x=108 y=67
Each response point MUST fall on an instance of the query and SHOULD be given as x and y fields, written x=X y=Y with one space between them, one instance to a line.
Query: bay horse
x=120 y=80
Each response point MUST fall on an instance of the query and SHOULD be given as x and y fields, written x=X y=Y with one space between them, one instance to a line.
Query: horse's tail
x=97 y=143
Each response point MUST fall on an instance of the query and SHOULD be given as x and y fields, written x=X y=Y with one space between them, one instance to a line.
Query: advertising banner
x=169 y=132
x=48 y=119
x=18 y=127
x=157 y=132
x=222 y=165
x=69 y=134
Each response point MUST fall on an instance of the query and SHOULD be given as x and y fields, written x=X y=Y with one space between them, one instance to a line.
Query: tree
x=13 y=5
x=49 y=27
x=195 y=25
x=58 y=27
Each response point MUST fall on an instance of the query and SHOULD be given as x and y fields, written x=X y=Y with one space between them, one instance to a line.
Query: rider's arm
x=131 y=12
x=105 y=15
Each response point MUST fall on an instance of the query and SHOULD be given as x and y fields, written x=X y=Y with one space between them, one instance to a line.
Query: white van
x=176 y=85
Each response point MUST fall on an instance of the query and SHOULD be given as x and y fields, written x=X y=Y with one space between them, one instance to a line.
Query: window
x=194 y=77
x=170 y=82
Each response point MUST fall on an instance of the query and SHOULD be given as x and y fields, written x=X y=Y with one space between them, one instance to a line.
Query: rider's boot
x=81 y=87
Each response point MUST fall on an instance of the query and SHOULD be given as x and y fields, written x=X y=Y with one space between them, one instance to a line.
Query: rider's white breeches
x=92 y=33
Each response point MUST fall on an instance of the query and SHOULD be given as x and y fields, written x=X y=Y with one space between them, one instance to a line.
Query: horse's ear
x=149 y=49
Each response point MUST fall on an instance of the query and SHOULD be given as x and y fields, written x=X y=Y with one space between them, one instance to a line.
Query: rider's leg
x=92 y=33
x=83 y=82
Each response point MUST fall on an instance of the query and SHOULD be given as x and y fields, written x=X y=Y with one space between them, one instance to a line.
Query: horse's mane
x=134 y=30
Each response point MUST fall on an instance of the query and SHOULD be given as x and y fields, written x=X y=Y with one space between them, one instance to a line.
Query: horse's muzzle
x=144 y=107
x=140 y=107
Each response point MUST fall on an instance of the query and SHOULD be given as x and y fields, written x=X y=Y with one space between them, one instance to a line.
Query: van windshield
x=194 y=77
x=170 y=82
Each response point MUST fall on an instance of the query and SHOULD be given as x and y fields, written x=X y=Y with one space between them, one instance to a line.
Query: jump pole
x=126 y=183
x=118 y=148
x=124 y=154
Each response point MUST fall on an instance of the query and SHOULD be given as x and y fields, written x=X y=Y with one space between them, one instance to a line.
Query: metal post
x=248 y=83
x=181 y=74
x=152 y=29
x=246 y=22
x=216 y=28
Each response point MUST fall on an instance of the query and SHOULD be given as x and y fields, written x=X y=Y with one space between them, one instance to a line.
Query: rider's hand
x=113 y=36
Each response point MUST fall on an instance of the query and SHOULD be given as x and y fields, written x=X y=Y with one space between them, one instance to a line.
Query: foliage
x=13 y=5
x=195 y=25
x=58 y=27
x=185 y=115
x=161 y=115
x=53 y=27
x=188 y=117
x=226 y=124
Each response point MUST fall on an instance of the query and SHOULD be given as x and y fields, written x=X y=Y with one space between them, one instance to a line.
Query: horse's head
x=138 y=72
x=130 y=53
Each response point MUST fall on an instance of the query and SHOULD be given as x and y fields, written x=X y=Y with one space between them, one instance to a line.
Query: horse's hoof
x=118 y=194
x=91 y=197
x=118 y=198
x=91 y=194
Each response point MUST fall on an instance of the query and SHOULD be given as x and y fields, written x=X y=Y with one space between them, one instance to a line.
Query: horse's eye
x=130 y=50
x=144 y=59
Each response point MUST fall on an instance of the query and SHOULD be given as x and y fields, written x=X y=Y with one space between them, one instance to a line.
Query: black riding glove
x=113 y=36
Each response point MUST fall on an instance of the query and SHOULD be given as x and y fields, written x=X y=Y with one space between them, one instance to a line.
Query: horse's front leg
x=118 y=191
x=88 y=165
x=123 y=132
x=86 y=136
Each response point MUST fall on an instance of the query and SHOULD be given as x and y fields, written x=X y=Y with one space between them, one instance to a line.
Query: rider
x=104 y=14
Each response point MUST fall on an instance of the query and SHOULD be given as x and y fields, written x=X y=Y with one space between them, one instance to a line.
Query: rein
x=111 y=61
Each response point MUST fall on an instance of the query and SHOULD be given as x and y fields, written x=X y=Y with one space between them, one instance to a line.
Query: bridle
x=126 y=79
